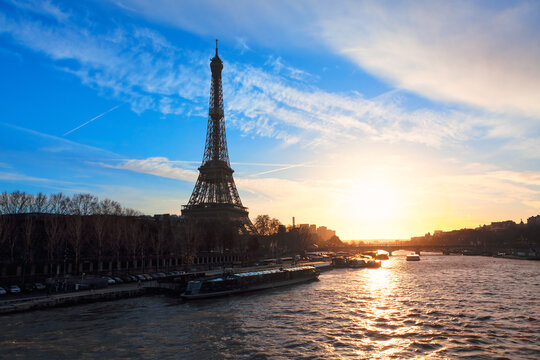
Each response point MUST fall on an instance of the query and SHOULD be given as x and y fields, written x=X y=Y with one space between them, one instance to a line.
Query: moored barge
x=249 y=281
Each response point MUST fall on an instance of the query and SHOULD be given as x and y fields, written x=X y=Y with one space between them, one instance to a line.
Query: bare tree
x=17 y=203
x=191 y=232
x=39 y=204
x=274 y=226
x=133 y=238
x=75 y=224
x=10 y=235
x=53 y=231
x=110 y=207
x=58 y=204
x=131 y=212
x=262 y=224
x=4 y=203
x=69 y=217
x=99 y=228
x=28 y=248
x=83 y=204
x=266 y=225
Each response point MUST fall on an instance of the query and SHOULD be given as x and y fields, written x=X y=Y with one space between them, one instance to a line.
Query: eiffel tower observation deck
x=215 y=197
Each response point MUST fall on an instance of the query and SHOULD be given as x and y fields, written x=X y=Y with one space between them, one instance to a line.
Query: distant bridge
x=445 y=249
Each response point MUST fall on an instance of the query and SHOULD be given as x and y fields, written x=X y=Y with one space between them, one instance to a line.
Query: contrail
x=89 y=121
x=280 y=169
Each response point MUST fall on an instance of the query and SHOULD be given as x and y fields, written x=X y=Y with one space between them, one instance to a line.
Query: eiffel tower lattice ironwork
x=215 y=195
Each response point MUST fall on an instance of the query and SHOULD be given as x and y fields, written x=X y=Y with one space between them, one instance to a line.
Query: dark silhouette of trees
x=266 y=225
x=52 y=228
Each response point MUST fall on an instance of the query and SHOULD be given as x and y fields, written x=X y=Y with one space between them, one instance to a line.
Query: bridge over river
x=390 y=248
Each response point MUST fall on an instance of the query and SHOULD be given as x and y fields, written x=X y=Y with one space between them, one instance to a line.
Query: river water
x=441 y=307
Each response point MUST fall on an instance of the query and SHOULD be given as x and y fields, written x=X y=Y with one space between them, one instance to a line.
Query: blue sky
x=378 y=119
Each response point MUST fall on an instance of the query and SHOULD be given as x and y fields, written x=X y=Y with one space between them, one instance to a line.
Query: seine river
x=441 y=307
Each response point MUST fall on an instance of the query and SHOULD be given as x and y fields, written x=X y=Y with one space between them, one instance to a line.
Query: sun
x=374 y=200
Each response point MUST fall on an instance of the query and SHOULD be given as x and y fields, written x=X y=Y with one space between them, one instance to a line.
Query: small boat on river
x=364 y=262
x=356 y=262
x=230 y=284
x=413 y=257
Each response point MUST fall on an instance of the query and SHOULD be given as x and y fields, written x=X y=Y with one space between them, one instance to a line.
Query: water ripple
x=442 y=307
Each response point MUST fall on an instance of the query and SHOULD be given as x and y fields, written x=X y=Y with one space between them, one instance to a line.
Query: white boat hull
x=251 y=288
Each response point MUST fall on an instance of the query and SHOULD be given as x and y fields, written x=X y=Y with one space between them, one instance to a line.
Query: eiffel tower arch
x=215 y=203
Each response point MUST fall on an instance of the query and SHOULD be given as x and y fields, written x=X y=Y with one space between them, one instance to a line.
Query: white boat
x=413 y=257
x=249 y=281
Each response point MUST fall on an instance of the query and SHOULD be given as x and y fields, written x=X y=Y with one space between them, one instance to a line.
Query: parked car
x=141 y=277
x=39 y=286
x=14 y=289
x=2 y=291
x=155 y=276
x=110 y=280
x=28 y=287
x=133 y=277
x=118 y=280
x=161 y=275
x=176 y=273
x=147 y=277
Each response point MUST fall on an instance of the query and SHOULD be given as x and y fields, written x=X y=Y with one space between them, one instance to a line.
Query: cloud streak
x=276 y=103
x=158 y=166
x=483 y=54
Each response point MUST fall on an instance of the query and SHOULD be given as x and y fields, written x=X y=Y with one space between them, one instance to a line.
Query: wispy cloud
x=111 y=60
x=14 y=176
x=158 y=166
x=62 y=144
x=272 y=103
x=44 y=7
x=278 y=66
x=466 y=52
x=529 y=178
x=483 y=54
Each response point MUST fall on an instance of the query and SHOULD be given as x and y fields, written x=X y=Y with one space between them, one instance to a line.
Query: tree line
x=484 y=238
x=56 y=228
x=277 y=240
x=79 y=204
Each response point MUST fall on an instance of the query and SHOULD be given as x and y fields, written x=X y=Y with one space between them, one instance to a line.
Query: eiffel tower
x=215 y=198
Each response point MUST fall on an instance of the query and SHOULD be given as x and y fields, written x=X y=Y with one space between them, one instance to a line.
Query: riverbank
x=443 y=307
x=115 y=292
x=72 y=298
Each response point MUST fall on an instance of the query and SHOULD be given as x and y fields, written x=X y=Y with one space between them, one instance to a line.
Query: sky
x=379 y=119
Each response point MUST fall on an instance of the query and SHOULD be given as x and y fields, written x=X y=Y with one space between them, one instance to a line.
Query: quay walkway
x=74 y=298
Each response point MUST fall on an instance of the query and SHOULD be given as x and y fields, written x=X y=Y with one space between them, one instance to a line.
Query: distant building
x=166 y=217
x=534 y=220
x=324 y=233
x=321 y=232
x=501 y=225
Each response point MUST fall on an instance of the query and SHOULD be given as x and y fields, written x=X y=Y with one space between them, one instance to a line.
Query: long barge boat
x=249 y=281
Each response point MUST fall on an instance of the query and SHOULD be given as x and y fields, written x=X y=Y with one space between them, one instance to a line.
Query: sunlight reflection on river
x=440 y=307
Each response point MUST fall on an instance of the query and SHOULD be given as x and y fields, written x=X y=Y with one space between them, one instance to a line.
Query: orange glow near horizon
x=388 y=197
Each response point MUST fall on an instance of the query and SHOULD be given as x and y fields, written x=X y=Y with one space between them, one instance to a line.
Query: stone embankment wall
x=67 y=299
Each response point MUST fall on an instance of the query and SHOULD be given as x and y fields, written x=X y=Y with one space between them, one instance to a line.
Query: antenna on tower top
x=216 y=47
